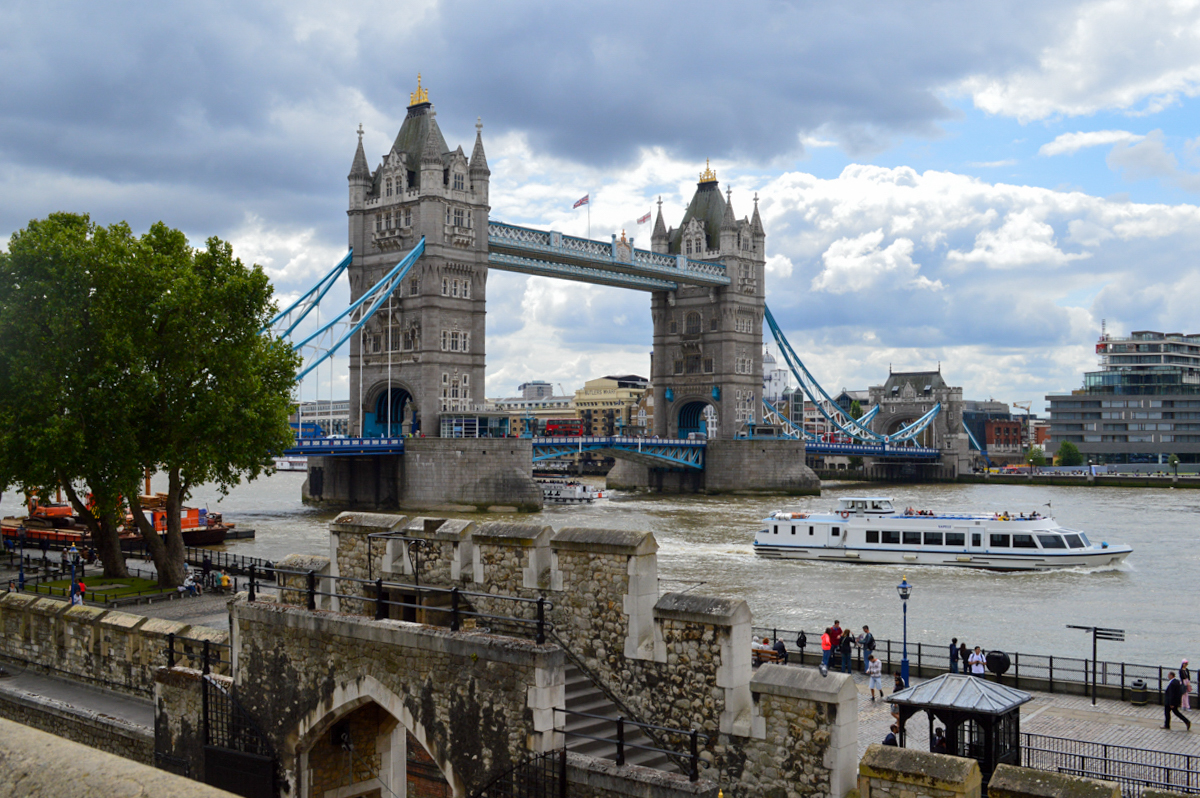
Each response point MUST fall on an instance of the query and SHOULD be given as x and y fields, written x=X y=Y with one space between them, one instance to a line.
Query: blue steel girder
x=284 y=324
x=648 y=451
x=609 y=257
x=568 y=271
x=873 y=450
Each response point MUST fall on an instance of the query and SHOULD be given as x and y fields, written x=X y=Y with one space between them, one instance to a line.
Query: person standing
x=964 y=655
x=835 y=637
x=801 y=642
x=1172 y=697
x=954 y=655
x=874 y=676
x=977 y=661
x=826 y=649
x=1185 y=679
x=867 y=642
x=891 y=736
x=847 y=649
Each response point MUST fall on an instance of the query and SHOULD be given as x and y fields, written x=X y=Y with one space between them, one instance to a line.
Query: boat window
x=1085 y=540
x=1023 y=542
x=776 y=529
x=912 y=538
x=872 y=535
x=933 y=538
x=956 y=539
x=1075 y=542
x=835 y=532
x=810 y=530
x=999 y=541
x=891 y=537
x=1051 y=542
x=793 y=529
x=976 y=539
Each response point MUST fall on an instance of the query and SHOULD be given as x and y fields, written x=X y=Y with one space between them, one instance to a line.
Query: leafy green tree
x=1069 y=454
x=1173 y=462
x=146 y=356
x=1035 y=456
x=856 y=411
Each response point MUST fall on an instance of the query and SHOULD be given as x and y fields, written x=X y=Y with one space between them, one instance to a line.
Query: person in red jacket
x=826 y=649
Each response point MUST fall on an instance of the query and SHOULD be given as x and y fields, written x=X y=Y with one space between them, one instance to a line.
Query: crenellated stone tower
x=422 y=354
x=707 y=367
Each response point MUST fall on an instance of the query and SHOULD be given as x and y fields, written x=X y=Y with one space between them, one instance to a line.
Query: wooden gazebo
x=982 y=718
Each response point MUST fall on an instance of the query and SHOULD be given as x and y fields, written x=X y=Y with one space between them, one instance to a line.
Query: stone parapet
x=84 y=726
x=590 y=777
x=887 y=771
x=758 y=466
x=37 y=763
x=1015 y=782
x=470 y=474
x=179 y=717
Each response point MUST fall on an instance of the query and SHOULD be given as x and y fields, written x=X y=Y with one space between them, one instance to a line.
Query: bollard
x=312 y=590
x=380 y=607
x=454 y=609
x=204 y=654
x=251 y=583
x=541 y=620
x=171 y=650
x=694 y=771
x=620 y=740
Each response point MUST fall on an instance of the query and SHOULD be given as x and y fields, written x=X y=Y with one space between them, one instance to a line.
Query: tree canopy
x=1035 y=456
x=123 y=354
x=1069 y=454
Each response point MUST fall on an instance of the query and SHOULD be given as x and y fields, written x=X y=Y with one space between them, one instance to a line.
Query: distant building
x=775 y=379
x=609 y=405
x=332 y=416
x=535 y=390
x=1142 y=406
x=1002 y=437
x=537 y=402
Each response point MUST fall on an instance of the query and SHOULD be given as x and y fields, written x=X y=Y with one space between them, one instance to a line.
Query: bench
x=759 y=656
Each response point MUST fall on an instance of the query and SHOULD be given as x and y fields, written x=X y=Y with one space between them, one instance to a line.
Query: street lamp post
x=905 y=590
x=74 y=554
x=21 y=561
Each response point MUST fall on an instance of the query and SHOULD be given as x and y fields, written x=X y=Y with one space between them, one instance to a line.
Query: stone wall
x=891 y=772
x=602 y=778
x=368 y=483
x=83 y=726
x=179 y=716
x=476 y=702
x=733 y=466
x=115 y=650
x=38 y=764
x=470 y=474
x=1015 y=782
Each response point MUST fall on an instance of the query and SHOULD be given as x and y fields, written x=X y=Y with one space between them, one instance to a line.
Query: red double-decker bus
x=563 y=427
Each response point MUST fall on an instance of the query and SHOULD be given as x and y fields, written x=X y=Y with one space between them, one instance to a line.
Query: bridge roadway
x=647 y=451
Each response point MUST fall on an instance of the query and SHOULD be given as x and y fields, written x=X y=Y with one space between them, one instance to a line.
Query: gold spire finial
x=708 y=175
x=622 y=235
x=420 y=95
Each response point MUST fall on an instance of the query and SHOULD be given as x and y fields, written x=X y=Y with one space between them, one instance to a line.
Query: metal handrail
x=693 y=735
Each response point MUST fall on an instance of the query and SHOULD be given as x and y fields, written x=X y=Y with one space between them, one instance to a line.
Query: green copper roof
x=708 y=206
x=417 y=127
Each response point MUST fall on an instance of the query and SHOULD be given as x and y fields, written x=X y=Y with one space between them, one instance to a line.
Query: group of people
x=765 y=645
x=973 y=662
x=209 y=579
x=839 y=642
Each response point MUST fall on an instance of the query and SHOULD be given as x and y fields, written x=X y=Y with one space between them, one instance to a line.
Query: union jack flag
x=583 y=201
x=644 y=219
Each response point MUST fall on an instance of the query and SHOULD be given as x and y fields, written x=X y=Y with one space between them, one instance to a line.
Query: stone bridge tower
x=422 y=354
x=707 y=365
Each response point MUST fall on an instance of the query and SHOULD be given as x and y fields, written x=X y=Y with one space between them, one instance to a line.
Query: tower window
x=387 y=220
x=712 y=323
x=466 y=286
x=408 y=217
x=708 y=365
x=458 y=217
x=389 y=187
x=378 y=222
x=458 y=181
x=414 y=285
x=454 y=288
x=693 y=324
x=678 y=366
x=674 y=326
x=445 y=287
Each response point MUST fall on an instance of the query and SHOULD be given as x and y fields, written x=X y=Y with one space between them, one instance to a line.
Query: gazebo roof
x=962 y=693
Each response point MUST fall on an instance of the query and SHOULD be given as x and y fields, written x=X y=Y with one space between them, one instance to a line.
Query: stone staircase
x=584 y=696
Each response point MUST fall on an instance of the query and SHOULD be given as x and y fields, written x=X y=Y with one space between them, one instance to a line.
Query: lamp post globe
x=905 y=590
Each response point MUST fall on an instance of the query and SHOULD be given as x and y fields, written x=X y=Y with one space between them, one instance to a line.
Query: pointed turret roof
x=359 y=168
x=707 y=206
x=728 y=220
x=756 y=226
x=435 y=145
x=479 y=163
x=420 y=125
x=660 y=228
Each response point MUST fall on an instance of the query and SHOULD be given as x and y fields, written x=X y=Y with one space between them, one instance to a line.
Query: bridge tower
x=707 y=366
x=422 y=354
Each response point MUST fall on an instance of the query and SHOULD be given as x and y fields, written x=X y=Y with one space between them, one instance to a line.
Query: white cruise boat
x=291 y=463
x=566 y=491
x=870 y=530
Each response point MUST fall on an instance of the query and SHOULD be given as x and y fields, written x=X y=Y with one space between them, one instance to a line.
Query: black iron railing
x=1134 y=769
x=228 y=725
x=621 y=725
x=536 y=776
x=211 y=654
x=1036 y=670
x=374 y=595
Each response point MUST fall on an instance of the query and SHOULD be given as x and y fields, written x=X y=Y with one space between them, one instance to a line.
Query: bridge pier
x=448 y=474
x=731 y=466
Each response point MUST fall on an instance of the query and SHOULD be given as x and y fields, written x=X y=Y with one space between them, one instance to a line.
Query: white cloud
x=1022 y=240
x=857 y=264
x=1150 y=158
x=1138 y=57
x=1071 y=143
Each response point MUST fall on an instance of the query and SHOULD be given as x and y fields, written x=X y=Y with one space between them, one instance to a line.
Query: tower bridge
x=422 y=245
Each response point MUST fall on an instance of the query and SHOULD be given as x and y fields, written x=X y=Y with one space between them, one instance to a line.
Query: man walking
x=874 y=676
x=867 y=641
x=1172 y=698
x=954 y=655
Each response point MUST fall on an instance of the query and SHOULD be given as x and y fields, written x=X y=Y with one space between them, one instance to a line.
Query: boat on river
x=871 y=530
x=568 y=491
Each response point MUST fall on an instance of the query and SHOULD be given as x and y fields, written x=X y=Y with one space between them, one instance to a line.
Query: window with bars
x=378 y=222
x=459 y=217
x=458 y=181
x=693 y=324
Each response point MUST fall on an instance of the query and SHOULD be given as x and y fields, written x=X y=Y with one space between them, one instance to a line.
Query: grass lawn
x=100 y=586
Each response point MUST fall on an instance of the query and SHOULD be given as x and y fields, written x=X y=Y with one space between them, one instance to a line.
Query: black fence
x=536 y=776
x=452 y=604
x=1135 y=769
x=1031 y=671
x=620 y=724
x=211 y=655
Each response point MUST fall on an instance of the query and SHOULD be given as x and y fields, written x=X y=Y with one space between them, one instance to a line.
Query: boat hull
x=959 y=559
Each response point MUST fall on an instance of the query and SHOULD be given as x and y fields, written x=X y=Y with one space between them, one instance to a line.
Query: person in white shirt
x=875 y=679
x=976 y=661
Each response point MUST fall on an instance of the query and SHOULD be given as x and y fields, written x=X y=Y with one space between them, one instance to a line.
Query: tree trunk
x=104 y=534
x=175 y=549
x=170 y=574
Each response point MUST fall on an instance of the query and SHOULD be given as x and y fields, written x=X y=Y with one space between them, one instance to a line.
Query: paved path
x=139 y=711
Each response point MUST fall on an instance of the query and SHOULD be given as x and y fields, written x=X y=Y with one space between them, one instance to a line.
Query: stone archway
x=390 y=411
x=696 y=416
x=359 y=742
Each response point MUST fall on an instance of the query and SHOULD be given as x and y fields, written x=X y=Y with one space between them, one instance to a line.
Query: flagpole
x=589 y=213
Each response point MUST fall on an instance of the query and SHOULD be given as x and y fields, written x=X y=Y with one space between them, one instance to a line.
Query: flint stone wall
x=476 y=702
x=112 y=649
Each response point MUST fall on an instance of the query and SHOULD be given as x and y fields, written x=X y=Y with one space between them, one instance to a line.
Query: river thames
x=705 y=547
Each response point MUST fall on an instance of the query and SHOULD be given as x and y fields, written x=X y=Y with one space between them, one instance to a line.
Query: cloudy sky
x=966 y=183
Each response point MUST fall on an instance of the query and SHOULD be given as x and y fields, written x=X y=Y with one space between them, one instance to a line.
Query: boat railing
x=1051 y=673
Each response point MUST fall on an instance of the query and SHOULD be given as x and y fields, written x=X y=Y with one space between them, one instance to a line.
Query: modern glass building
x=1142 y=406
